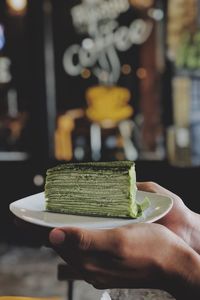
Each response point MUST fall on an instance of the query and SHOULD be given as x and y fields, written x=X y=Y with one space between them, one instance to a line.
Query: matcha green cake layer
x=94 y=189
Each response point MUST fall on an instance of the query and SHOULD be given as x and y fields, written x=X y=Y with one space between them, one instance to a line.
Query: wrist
x=182 y=272
x=194 y=231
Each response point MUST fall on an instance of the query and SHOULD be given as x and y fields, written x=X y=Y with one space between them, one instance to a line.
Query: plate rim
x=13 y=207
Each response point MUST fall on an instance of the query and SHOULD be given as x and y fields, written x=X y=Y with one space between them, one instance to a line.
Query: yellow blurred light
x=17 y=7
x=28 y=298
x=143 y=4
x=63 y=138
x=108 y=105
x=85 y=73
x=126 y=69
x=141 y=73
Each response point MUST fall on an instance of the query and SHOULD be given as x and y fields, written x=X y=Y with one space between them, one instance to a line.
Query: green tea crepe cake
x=94 y=189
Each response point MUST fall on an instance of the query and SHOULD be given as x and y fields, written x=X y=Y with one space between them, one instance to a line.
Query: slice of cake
x=94 y=189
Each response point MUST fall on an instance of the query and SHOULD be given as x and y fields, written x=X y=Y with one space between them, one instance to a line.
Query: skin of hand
x=133 y=256
x=181 y=220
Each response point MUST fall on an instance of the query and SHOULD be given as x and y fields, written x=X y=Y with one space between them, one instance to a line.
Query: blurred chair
x=65 y=273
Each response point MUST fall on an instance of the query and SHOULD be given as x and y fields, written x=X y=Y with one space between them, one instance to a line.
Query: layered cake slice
x=94 y=189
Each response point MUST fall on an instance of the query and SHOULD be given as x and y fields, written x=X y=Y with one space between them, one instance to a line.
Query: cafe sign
x=91 y=12
x=99 y=52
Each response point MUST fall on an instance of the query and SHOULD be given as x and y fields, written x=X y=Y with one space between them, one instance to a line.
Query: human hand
x=181 y=220
x=134 y=256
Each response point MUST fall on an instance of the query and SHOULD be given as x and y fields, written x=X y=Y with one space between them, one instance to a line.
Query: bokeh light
x=141 y=73
x=126 y=69
x=17 y=7
x=86 y=73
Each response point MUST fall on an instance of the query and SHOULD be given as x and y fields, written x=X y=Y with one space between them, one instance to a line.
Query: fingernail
x=57 y=237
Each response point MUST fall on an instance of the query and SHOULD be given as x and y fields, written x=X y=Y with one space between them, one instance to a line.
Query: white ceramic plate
x=32 y=209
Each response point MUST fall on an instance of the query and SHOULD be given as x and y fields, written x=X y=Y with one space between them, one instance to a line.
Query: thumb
x=62 y=237
x=82 y=239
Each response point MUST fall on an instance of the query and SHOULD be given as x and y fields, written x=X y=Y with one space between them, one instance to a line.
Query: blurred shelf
x=187 y=73
x=13 y=156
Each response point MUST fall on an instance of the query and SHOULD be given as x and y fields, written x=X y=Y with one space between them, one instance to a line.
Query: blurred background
x=93 y=80
x=97 y=80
